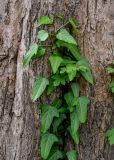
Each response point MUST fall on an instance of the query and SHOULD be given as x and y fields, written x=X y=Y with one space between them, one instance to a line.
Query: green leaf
x=73 y=24
x=88 y=76
x=50 y=89
x=73 y=49
x=47 y=118
x=44 y=20
x=57 y=103
x=40 y=53
x=69 y=98
x=112 y=89
x=56 y=155
x=72 y=155
x=44 y=108
x=110 y=135
x=74 y=122
x=59 y=79
x=82 y=103
x=55 y=61
x=47 y=142
x=32 y=51
x=110 y=70
x=39 y=87
x=67 y=60
x=42 y=35
x=57 y=122
x=65 y=36
x=75 y=89
x=87 y=73
x=71 y=70
x=75 y=137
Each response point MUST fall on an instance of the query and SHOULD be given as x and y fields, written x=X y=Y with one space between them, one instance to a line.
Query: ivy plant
x=110 y=133
x=64 y=116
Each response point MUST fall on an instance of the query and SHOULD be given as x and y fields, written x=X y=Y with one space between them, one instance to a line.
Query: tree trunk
x=19 y=116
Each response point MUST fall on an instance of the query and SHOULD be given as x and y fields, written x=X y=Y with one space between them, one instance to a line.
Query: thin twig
x=62 y=26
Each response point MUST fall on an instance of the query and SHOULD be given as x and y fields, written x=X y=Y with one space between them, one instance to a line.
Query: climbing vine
x=110 y=133
x=63 y=117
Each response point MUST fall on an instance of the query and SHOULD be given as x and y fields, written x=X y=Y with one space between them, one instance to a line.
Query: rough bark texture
x=19 y=117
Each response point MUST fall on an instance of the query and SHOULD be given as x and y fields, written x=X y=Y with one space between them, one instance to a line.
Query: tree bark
x=19 y=117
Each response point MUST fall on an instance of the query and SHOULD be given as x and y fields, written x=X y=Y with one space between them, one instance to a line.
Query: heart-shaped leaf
x=75 y=137
x=65 y=36
x=39 y=87
x=75 y=89
x=56 y=155
x=42 y=35
x=47 y=118
x=71 y=71
x=40 y=53
x=74 y=122
x=55 y=61
x=47 y=142
x=82 y=103
x=32 y=51
x=73 y=24
x=69 y=98
x=72 y=155
x=87 y=73
x=44 y=20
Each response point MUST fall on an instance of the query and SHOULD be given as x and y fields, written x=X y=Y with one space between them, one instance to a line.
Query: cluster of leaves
x=110 y=133
x=64 y=116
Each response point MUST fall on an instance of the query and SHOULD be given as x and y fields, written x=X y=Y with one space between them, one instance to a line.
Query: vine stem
x=62 y=26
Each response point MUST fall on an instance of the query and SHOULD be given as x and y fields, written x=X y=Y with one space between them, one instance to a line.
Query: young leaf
x=55 y=61
x=47 y=118
x=44 y=20
x=73 y=24
x=75 y=89
x=65 y=36
x=40 y=53
x=74 y=122
x=47 y=142
x=42 y=35
x=75 y=137
x=69 y=98
x=39 y=87
x=82 y=103
x=56 y=155
x=110 y=135
x=72 y=155
x=32 y=51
